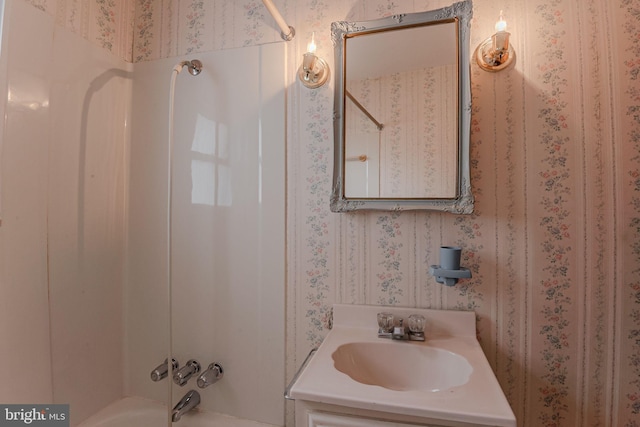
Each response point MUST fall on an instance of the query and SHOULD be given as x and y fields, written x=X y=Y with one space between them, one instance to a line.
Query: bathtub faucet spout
x=187 y=403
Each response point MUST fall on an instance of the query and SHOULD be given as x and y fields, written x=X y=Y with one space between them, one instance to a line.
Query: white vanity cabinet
x=313 y=414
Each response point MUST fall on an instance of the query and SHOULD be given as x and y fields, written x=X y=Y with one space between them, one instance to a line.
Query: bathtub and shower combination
x=231 y=163
x=226 y=306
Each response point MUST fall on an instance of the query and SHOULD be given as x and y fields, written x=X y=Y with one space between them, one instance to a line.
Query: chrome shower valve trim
x=182 y=375
x=213 y=374
x=162 y=370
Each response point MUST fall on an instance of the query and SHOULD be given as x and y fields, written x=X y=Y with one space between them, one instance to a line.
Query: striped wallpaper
x=554 y=242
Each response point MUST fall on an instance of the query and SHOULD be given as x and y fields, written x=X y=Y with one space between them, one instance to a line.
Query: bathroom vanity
x=358 y=379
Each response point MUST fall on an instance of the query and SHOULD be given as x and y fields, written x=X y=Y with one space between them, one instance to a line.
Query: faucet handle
x=162 y=370
x=213 y=373
x=416 y=323
x=182 y=375
x=385 y=322
x=416 y=327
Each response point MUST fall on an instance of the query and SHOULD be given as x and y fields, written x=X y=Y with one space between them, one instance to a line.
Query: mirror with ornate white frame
x=403 y=112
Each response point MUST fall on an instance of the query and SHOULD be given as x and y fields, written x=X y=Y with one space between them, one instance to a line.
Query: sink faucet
x=398 y=331
x=187 y=403
x=388 y=328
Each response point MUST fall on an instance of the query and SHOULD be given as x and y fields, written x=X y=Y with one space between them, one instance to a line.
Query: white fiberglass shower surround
x=83 y=240
x=227 y=215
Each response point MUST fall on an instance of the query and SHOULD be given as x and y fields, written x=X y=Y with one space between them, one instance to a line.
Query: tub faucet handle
x=162 y=370
x=211 y=375
x=182 y=375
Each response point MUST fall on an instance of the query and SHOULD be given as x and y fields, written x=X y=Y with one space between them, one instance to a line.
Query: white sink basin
x=402 y=366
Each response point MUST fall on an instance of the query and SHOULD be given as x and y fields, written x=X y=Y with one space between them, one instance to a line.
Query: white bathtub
x=138 y=412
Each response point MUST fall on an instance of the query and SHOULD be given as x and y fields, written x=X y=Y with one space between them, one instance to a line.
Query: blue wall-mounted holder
x=449 y=270
x=449 y=277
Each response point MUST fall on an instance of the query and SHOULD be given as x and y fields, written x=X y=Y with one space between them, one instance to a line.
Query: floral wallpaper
x=414 y=154
x=165 y=28
x=554 y=241
x=106 y=23
x=629 y=12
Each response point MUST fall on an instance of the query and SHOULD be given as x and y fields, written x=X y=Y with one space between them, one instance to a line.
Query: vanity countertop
x=479 y=401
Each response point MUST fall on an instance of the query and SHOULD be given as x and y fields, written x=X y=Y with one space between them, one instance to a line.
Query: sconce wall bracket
x=491 y=59
x=314 y=72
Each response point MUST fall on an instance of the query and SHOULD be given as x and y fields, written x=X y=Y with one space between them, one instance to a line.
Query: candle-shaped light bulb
x=309 y=58
x=501 y=25
x=501 y=37
x=311 y=47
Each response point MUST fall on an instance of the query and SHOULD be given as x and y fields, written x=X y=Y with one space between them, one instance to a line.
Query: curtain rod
x=379 y=125
x=286 y=32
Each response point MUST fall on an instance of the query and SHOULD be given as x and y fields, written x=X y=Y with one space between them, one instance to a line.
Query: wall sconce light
x=495 y=53
x=314 y=70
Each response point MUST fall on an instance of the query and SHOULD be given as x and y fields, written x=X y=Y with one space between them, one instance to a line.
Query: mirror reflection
x=403 y=112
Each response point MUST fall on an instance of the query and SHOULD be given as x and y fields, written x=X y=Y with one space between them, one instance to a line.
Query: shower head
x=194 y=66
